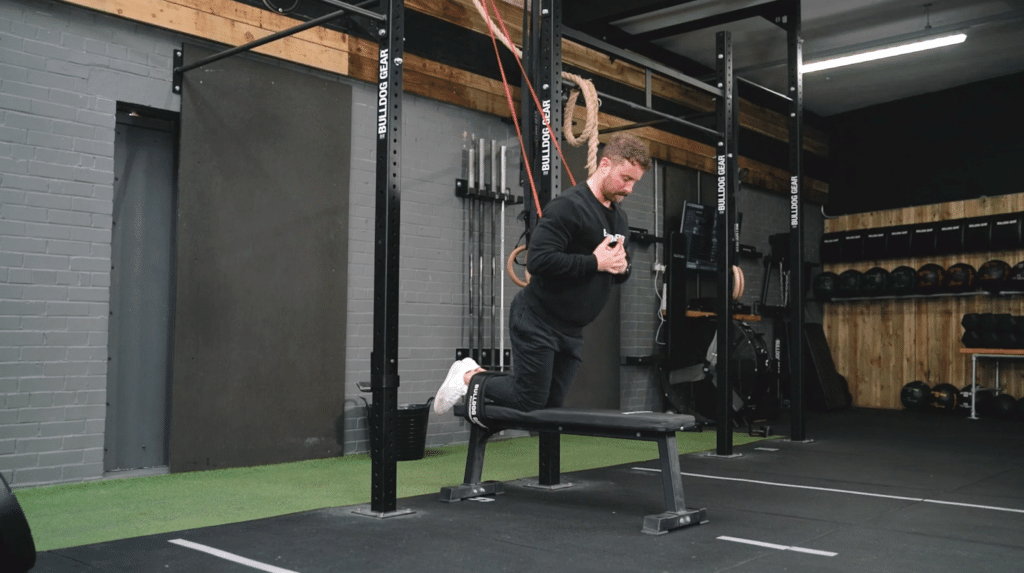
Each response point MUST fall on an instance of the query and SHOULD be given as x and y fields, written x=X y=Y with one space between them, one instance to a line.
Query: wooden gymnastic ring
x=512 y=272
x=737 y=282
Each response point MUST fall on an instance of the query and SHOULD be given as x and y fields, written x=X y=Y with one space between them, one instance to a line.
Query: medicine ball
x=1018 y=409
x=875 y=282
x=931 y=279
x=992 y=274
x=1015 y=280
x=914 y=395
x=1002 y=406
x=902 y=280
x=944 y=397
x=849 y=283
x=825 y=285
x=960 y=278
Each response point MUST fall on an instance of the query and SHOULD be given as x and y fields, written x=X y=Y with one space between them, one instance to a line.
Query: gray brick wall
x=62 y=71
x=639 y=304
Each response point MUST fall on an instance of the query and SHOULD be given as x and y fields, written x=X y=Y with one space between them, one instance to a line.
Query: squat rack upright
x=543 y=31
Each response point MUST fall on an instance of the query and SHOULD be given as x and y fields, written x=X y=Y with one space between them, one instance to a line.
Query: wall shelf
x=941 y=295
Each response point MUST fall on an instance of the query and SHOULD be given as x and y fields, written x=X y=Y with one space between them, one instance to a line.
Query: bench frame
x=676 y=514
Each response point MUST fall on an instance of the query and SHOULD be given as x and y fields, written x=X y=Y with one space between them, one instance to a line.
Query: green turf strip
x=93 y=512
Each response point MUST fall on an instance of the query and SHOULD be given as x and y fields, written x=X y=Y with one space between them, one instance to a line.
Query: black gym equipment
x=990 y=330
x=971 y=321
x=17 y=548
x=825 y=286
x=1018 y=409
x=981 y=399
x=1002 y=406
x=960 y=278
x=922 y=239
x=849 y=284
x=754 y=390
x=944 y=397
x=825 y=389
x=978 y=234
x=550 y=423
x=876 y=282
x=753 y=395
x=949 y=237
x=931 y=279
x=898 y=241
x=1015 y=279
x=915 y=395
x=902 y=280
x=1007 y=231
x=992 y=274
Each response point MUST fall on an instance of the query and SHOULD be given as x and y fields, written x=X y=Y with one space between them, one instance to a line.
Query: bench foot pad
x=535 y=484
x=452 y=494
x=662 y=523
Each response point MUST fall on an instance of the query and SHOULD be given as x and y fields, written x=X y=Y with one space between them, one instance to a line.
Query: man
x=577 y=253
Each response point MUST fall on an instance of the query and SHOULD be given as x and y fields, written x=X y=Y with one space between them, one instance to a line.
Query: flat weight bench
x=552 y=422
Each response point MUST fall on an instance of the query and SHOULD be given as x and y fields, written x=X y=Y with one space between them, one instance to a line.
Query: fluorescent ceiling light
x=884 y=53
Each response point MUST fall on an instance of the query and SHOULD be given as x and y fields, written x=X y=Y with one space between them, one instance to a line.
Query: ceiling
x=994 y=45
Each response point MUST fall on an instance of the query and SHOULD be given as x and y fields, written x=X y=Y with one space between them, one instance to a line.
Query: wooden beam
x=234 y=24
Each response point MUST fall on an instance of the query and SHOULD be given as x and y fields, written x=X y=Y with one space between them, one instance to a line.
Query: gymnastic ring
x=737 y=282
x=512 y=272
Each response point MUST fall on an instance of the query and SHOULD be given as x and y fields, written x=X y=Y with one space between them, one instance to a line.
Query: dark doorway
x=141 y=289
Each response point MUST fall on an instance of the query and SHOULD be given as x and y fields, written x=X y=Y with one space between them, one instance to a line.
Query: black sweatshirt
x=566 y=289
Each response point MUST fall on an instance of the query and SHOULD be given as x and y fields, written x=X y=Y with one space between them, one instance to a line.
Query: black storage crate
x=898 y=242
x=949 y=237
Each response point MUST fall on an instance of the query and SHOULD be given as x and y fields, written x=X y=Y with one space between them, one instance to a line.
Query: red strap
x=536 y=100
x=515 y=119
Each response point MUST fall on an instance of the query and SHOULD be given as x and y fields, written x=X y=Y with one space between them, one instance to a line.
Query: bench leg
x=472 y=486
x=676 y=514
x=550 y=459
x=549 y=463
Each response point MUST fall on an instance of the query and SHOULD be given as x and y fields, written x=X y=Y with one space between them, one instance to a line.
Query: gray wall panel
x=263 y=214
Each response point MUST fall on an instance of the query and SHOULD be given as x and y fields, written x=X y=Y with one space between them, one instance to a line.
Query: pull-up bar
x=639 y=60
x=347 y=8
x=709 y=133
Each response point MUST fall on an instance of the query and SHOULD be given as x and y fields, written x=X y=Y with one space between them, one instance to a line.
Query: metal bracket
x=178 y=75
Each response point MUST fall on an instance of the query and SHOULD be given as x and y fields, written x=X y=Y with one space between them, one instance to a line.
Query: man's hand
x=611 y=259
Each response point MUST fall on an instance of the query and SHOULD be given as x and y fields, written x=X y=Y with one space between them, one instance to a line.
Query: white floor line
x=846 y=491
x=779 y=547
x=230 y=556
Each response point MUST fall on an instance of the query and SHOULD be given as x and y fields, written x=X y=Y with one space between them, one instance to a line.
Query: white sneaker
x=454 y=387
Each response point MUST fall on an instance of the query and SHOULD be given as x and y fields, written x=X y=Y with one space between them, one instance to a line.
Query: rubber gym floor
x=876 y=490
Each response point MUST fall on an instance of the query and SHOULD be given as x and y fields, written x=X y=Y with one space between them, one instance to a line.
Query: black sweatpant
x=544 y=363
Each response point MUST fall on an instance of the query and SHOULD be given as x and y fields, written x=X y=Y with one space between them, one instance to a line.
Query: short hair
x=628 y=147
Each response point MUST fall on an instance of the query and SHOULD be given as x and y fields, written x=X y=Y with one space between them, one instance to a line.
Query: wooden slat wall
x=234 y=23
x=881 y=345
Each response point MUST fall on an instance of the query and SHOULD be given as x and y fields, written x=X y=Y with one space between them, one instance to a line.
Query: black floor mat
x=875 y=491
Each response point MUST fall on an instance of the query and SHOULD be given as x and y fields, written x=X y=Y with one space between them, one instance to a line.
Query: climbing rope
x=590 y=131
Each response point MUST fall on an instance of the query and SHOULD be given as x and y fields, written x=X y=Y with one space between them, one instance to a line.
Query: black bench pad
x=570 y=420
